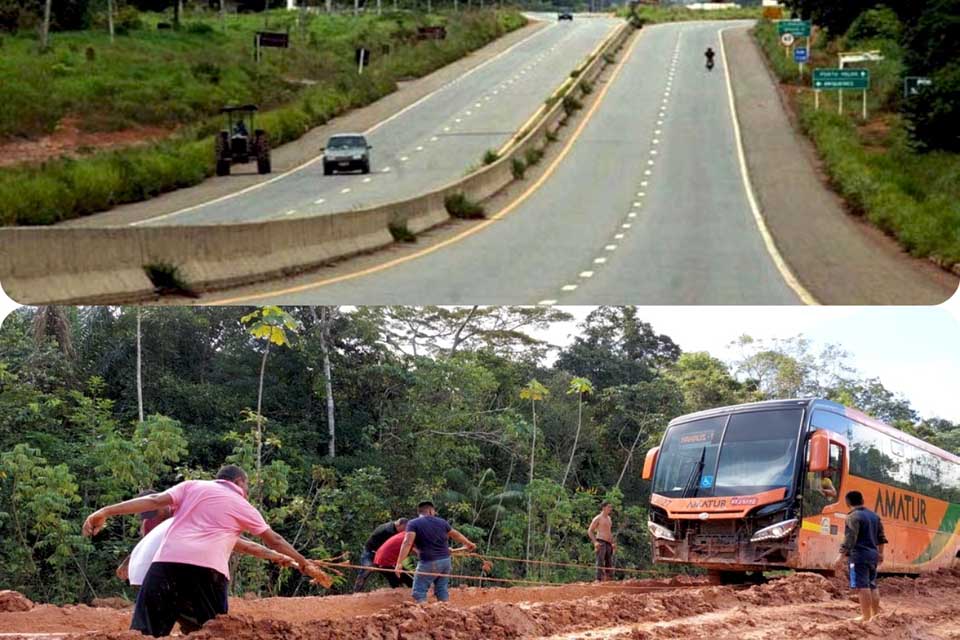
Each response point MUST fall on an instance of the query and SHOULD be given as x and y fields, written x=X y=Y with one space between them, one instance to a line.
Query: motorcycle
x=709 y=64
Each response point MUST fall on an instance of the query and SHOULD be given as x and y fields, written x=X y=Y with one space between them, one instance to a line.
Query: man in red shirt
x=386 y=558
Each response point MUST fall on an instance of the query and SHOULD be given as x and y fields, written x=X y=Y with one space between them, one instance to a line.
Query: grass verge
x=914 y=197
x=69 y=188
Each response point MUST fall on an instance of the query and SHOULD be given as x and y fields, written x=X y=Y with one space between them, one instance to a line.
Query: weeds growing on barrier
x=609 y=58
x=166 y=279
x=518 y=168
x=586 y=88
x=490 y=156
x=400 y=232
x=551 y=136
x=571 y=104
x=459 y=206
x=532 y=156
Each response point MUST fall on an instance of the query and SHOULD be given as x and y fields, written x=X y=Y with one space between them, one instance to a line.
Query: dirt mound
x=111 y=603
x=798 y=587
x=926 y=586
x=14 y=601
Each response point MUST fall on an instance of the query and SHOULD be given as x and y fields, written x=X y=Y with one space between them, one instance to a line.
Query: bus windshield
x=757 y=453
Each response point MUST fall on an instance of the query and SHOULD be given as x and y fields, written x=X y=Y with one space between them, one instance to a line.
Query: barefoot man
x=862 y=549
x=187 y=581
x=601 y=535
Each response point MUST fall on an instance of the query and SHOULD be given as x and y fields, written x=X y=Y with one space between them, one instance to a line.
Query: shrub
x=532 y=156
x=518 y=168
x=609 y=58
x=199 y=28
x=400 y=232
x=490 y=156
x=459 y=206
x=880 y=23
x=586 y=88
x=571 y=104
x=166 y=279
x=575 y=73
x=551 y=136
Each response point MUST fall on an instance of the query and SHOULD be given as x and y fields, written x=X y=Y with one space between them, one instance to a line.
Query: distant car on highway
x=565 y=14
x=346 y=152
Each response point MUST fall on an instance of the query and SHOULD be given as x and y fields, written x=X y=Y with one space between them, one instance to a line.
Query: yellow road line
x=785 y=272
x=588 y=116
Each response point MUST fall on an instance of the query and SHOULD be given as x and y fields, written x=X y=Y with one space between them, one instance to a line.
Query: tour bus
x=760 y=486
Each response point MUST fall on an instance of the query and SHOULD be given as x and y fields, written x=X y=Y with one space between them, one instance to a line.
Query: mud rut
x=798 y=606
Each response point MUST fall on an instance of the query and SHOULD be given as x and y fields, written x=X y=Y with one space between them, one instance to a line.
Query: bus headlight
x=775 y=531
x=661 y=532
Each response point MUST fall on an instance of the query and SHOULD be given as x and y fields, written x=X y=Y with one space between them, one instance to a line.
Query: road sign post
x=840 y=79
x=914 y=85
x=789 y=31
x=262 y=39
x=362 y=55
x=801 y=55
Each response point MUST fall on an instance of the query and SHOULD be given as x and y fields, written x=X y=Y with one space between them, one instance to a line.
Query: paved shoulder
x=836 y=257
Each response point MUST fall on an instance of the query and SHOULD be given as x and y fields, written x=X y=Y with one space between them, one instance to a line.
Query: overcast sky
x=915 y=351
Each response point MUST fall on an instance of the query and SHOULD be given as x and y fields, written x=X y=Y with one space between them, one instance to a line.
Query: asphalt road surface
x=431 y=143
x=648 y=206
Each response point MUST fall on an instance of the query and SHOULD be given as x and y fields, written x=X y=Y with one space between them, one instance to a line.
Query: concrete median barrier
x=44 y=265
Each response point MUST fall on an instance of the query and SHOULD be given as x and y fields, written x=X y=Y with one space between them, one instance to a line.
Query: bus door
x=823 y=511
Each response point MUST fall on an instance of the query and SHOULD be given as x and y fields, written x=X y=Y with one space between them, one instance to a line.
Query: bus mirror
x=819 y=451
x=650 y=462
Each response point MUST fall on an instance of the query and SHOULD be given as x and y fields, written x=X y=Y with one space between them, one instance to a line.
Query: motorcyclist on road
x=709 y=54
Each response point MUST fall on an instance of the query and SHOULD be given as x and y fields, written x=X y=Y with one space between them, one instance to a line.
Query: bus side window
x=830 y=479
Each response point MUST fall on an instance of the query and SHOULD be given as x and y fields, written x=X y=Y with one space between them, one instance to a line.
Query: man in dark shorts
x=432 y=536
x=380 y=535
x=187 y=581
x=601 y=535
x=862 y=548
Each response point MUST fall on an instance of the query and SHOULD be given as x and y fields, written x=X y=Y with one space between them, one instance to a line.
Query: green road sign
x=841 y=79
x=797 y=28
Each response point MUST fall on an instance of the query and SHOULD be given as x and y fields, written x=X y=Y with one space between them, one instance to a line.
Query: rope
x=558 y=564
x=618 y=586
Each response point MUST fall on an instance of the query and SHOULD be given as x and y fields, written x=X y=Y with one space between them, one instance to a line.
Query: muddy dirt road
x=801 y=606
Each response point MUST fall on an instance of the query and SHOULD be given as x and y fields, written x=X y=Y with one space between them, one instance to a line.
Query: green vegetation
x=641 y=15
x=586 y=88
x=428 y=402
x=459 y=206
x=490 y=156
x=518 y=167
x=532 y=156
x=571 y=104
x=401 y=233
x=166 y=279
x=181 y=78
x=878 y=166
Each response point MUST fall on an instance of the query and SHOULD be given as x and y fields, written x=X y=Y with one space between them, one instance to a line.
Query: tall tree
x=533 y=392
x=45 y=27
x=269 y=324
x=614 y=346
x=578 y=386
x=323 y=323
x=139 y=365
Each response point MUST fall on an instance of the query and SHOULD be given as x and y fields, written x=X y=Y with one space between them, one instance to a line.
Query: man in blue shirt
x=431 y=536
x=863 y=542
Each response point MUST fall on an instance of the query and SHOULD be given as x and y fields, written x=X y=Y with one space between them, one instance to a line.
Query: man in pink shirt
x=187 y=582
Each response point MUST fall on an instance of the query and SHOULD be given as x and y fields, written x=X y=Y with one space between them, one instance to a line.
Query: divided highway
x=649 y=206
x=429 y=144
